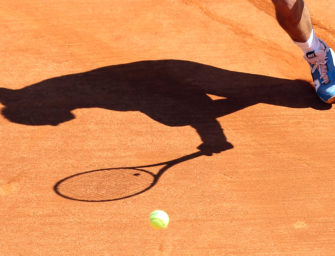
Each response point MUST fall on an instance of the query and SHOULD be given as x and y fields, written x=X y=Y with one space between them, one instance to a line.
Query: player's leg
x=294 y=18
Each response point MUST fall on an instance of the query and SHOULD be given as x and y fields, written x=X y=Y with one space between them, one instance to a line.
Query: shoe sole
x=331 y=100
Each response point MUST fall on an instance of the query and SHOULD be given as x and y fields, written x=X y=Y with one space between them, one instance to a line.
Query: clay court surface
x=94 y=85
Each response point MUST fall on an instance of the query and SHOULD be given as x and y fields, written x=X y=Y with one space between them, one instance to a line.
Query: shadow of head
x=172 y=92
x=31 y=110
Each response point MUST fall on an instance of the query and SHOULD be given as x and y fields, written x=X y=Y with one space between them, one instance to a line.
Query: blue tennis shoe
x=323 y=72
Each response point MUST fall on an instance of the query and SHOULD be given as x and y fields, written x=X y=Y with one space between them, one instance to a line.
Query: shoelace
x=321 y=66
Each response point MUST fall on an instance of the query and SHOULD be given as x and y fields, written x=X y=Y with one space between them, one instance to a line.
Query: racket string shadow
x=113 y=184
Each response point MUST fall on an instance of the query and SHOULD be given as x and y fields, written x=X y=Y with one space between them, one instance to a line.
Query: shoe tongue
x=314 y=56
x=310 y=55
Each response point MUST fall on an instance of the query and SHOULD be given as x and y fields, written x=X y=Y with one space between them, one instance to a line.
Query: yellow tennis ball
x=159 y=219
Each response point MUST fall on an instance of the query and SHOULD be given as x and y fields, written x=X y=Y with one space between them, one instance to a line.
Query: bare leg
x=294 y=18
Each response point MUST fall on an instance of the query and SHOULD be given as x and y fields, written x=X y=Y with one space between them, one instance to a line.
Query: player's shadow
x=172 y=92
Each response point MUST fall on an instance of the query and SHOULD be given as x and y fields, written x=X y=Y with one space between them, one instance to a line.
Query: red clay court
x=96 y=94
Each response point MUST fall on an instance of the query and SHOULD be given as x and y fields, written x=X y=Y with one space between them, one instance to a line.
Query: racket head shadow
x=105 y=185
x=112 y=184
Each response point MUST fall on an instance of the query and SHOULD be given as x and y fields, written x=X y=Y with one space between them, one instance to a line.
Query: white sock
x=312 y=44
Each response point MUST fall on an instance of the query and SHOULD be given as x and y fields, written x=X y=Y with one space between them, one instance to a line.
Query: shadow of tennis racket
x=112 y=184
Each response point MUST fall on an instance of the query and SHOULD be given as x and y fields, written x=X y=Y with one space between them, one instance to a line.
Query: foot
x=323 y=72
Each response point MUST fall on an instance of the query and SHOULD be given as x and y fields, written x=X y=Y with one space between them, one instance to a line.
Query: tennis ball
x=159 y=219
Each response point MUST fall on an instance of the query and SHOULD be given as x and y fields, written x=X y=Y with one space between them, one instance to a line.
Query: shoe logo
x=317 y=84
x=310 y=55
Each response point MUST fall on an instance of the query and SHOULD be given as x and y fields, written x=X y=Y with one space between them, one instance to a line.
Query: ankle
x=312 y=44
